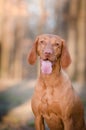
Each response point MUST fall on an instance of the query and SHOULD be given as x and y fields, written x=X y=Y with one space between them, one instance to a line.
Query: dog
x=54 y=100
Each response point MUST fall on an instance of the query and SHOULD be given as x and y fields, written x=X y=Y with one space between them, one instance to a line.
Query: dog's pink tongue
x=46 y=67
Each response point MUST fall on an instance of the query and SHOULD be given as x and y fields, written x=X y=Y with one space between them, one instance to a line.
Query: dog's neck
x=56 y=72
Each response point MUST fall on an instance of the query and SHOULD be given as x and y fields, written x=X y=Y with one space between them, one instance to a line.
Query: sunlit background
x=20 y=22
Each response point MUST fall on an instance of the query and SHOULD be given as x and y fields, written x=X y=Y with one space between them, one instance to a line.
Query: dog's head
x=50 y=48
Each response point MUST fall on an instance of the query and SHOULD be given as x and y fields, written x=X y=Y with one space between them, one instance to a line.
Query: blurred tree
x=43 y=16
x=61 y=17
x=77 y=39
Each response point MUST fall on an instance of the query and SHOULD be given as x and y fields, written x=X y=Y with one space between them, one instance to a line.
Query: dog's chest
x=49 y=105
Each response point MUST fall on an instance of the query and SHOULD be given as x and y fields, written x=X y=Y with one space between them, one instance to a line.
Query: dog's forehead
x=50 y=36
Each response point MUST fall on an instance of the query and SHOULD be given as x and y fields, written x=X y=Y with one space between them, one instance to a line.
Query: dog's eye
x=41 y=41
x=57 y=44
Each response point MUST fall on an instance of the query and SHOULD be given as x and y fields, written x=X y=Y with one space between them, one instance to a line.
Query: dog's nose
x=48 y=51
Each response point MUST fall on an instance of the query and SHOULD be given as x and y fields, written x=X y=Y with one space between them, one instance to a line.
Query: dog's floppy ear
x=65 y=56
x=33 y=53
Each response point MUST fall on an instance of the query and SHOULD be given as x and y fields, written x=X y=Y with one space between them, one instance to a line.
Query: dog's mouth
x=46 y=66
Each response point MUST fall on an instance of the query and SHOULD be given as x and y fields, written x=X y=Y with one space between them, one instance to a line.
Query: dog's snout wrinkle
x=48 y=49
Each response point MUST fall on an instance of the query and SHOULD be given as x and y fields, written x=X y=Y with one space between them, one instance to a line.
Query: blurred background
x=20 y=22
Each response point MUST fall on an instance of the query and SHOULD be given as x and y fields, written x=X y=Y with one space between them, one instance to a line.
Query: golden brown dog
x=54 y=99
